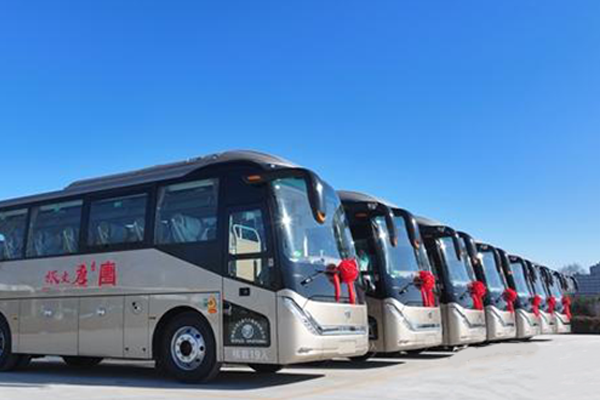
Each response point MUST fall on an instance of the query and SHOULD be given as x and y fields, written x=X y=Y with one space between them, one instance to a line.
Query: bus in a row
x=238 y=258
x=245 y=258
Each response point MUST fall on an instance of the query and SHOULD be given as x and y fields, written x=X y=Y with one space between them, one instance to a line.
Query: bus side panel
x=49 y=326
x=208 y=304
x=101 y=326
x=136 y=336
x=10 y=311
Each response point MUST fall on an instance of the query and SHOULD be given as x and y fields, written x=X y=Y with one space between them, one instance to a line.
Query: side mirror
x=412 y=228
x=391 y=225
x=316 y=196
x=457 y=246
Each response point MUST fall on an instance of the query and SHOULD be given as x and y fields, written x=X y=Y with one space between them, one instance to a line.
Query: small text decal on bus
x=82 y=276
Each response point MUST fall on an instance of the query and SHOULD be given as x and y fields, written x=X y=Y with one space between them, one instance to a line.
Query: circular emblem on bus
x=248 y=331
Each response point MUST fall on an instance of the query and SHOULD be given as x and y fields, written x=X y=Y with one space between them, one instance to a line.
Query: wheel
x=188 y=350
x=8 y=360
x=363 y=358
x=266 y=368
x=82 y=362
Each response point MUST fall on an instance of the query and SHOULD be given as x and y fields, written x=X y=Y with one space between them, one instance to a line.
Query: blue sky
x=485 y=115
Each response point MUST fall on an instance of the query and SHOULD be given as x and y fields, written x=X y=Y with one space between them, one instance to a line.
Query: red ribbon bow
x=551 y=304
x=478 y=290
x=425 y=281
x=510 y=296
x=536 y=302
x=566 y=302
x=346 y=272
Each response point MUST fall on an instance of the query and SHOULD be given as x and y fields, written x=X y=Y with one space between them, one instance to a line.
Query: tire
x=363 y=358
x=82 y=362
x=187 y=350
x=8 y=360
x=24 y=361
x=266 y=368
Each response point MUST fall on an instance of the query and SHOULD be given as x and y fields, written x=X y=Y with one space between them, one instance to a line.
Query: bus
x=404 y=314
x=527 y=313
x=499 y=311
x=561 y=314
x=541 y=298
x=192 y=264
x=462 y=295
x=501 y=298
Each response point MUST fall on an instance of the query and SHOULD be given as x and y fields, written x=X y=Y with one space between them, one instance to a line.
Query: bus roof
x=357 y=197
x=430 y=222
x=156 y=173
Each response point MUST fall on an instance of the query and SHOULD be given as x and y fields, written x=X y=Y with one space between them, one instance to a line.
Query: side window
x=248 y=247
x=12 y=234
x=246 y=233
x=54 y=229
x=187 y=212
x=117 y=220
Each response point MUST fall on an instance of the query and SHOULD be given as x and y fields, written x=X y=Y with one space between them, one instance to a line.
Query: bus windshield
x=308 y=246
x=538 y=284
x=520 y=280
x=401 y=261
x=494 y=280
x=460 y=271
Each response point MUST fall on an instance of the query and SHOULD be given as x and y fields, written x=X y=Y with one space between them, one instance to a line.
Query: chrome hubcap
x=188 y=348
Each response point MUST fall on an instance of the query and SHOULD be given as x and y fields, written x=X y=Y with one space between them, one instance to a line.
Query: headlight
x=306 y=319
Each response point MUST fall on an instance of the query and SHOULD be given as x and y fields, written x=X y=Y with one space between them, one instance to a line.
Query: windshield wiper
x=312 y=277
x=405 y=288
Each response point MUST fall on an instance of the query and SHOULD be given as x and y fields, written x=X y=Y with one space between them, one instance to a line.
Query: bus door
x=250 y=307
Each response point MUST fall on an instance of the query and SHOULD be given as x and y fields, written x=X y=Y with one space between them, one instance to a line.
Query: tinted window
x=458 y=269
x=117 y=220
x=12 y=234
x=247 y=238
x=54 y=229
x=187 y=212
x=246 y=233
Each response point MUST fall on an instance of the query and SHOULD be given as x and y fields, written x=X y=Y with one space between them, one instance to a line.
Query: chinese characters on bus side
x=82 y=276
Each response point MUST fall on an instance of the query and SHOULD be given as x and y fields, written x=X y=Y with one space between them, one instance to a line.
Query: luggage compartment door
x=49 y=326
x=101 y=326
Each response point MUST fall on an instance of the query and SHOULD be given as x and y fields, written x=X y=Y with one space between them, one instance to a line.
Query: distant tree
x=572 y=269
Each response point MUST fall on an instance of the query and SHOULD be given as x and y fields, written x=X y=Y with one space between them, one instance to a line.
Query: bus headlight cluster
x=306 y=319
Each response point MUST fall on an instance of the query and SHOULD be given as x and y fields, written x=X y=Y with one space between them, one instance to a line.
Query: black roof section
x=156 y=173
x=356 y=197
x=429 y=222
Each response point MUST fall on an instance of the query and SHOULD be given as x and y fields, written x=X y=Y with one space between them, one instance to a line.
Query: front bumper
x=410 y=328
x=462 y=326
x=314 y=331
x=528 y=324
x=500 y=324
x=563 y=323
x=547 y=323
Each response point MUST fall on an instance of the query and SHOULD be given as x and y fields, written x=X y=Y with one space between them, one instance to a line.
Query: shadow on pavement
x=423 y=356
x=43 y=373
x=347 y=364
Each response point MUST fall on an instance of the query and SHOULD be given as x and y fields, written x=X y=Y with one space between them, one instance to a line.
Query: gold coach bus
x=192 y=264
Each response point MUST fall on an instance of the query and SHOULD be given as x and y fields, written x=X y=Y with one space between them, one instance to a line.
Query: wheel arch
x=169 y=316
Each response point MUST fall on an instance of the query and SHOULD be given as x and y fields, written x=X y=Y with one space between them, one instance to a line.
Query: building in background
x=589 y=284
